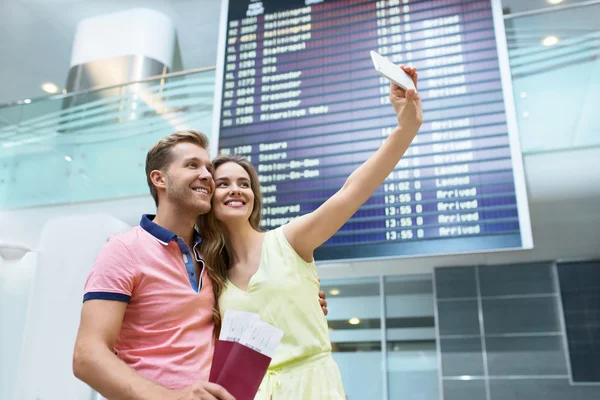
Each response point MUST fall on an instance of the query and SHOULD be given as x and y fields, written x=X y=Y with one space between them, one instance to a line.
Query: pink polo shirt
x=166 y=334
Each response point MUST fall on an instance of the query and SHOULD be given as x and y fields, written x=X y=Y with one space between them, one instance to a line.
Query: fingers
x=218 y=392
x=412 y=95
x=394 y=87
x=322 y=299
x=323 y=302
x=409 y=70
x=396 y=91
x=412 y=72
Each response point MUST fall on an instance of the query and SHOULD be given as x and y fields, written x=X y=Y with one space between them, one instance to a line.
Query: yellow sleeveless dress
x=284 y=291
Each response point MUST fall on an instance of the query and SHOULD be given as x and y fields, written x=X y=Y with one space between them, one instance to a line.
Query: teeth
x=201 y=190
x=235 y=203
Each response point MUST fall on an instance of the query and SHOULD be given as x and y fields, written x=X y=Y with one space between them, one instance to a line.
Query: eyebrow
x=187 y=160
x=227 y=178
x=190 y=159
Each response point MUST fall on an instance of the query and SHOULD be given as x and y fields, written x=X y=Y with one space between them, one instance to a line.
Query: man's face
x=189 y=183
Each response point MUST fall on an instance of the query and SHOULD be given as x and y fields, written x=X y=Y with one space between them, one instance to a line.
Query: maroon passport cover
x=238 y=368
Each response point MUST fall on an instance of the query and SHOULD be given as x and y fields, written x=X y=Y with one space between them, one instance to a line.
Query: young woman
x=274 y=274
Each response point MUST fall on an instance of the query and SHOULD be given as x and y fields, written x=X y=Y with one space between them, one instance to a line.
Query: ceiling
x=36 y=35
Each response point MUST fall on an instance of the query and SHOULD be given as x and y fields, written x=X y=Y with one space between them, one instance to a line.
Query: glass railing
x=92 y=145
x=555 y=67
x=522 y=7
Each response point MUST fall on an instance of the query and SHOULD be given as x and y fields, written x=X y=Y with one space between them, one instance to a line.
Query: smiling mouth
x=235 y=203
x=201 y=190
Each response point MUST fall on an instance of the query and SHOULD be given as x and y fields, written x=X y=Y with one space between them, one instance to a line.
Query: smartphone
x=392 y=71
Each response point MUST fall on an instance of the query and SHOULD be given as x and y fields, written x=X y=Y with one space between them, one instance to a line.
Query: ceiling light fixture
x=334 y=292
x=354 y=321
x=550 y=41
x=49 y=87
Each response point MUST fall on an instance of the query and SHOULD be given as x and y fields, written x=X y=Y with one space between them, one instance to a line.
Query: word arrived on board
x=301 y=100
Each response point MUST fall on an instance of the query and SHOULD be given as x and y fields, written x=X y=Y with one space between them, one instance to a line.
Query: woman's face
x=233 y=198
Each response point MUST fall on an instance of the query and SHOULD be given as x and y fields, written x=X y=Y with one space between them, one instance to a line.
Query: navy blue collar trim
x=161 y=234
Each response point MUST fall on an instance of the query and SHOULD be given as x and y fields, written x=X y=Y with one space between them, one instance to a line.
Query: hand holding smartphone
x=392 y=71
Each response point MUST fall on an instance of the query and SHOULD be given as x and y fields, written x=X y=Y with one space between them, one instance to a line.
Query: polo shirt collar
x=161 y=234
x=164 y=235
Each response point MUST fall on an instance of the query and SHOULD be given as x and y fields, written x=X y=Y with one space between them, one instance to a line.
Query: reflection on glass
x=95 y=150
x=519 y=6
x=412 y=361
x=543 y=50
x=355 y=329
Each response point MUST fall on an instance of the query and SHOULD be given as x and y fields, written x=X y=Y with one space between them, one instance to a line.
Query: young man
x=146 y=329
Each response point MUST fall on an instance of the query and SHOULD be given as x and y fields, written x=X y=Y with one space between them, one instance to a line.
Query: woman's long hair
x=213 y=246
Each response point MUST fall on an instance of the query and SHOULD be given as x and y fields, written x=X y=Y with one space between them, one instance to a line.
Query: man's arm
x=95 y=363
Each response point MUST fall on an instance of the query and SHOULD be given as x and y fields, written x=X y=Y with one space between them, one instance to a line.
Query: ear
x=158 y=178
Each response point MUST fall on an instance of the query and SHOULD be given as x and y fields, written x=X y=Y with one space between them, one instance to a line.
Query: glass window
x=355 y=329
x=412 y=360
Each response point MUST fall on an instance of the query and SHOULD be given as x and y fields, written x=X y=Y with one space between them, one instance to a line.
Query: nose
x=235 y=189
x=205 y=175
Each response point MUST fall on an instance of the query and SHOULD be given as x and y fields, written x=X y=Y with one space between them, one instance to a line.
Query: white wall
x=16 y=281
x=40 y=305
x=24 y=225
x=49 y=305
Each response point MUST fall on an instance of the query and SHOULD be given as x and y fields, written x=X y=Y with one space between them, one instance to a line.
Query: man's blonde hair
x=160 y=157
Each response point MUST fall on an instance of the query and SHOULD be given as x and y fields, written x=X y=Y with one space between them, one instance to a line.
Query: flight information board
x=297 y=94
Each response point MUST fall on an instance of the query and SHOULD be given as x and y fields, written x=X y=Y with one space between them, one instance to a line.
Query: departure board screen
x=297 y=94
